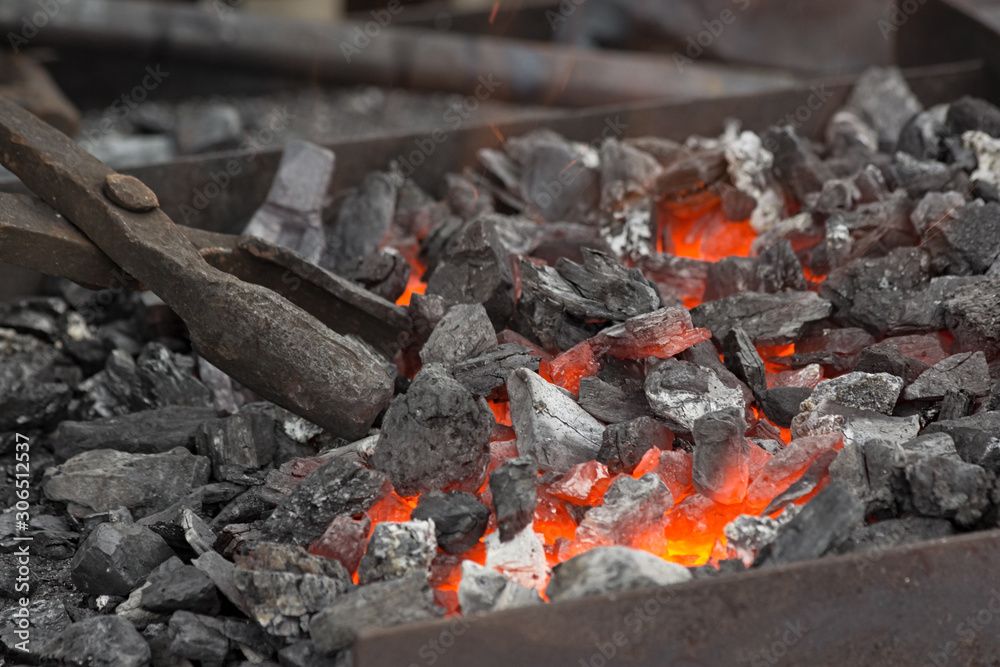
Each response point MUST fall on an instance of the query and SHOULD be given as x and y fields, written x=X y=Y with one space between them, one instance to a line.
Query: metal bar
x=933 y=603
x=260 y=339
x=408 y=57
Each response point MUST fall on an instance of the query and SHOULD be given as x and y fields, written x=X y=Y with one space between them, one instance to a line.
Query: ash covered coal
x=746 y=346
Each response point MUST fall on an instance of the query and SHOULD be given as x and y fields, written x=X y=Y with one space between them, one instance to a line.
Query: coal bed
x=622 y=365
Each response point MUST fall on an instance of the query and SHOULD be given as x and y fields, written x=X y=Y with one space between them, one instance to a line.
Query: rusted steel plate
x=934 y=603
x=257 y=337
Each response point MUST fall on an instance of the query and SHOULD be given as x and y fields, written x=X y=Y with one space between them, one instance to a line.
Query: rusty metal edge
x=930 y=603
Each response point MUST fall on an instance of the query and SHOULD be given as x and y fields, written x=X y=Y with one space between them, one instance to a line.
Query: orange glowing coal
x=692 y=531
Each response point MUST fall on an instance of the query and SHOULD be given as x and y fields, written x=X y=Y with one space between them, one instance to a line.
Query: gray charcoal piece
x=363 y=221
x=921 y=136
x=885 y=357
x=749 y=534
x=208 y=127
x=795 y=166
x=730 y=275
x=47 y=618
x=198 y=638
x=385 y=273
x=167 y=378
x=34 y=405
x=340 y=486
x=174 y=586
x=551 y=426
x=476 y=269
x=742 y=360
x=146 y=432
x=600 y=288
x=612 y=569
x=237 y=444
x=721 y=466
x=940 y=306
x=291 y=215
x=781 y=404
x=396 y=550
x=625 y=443
x=680 y=392
x=877 y=392
x=626 y=171
x=630 y=505
x=483 y=375
x=971 y=314
x=904 y=269
x=779 y=269
x=947 y=488
x=967 y=371
x=823 y=524
x=225 y=398
x=976 y=438
x=283 y=602
x=918 y=177
x=223 y=575
x=459 y=518
x=100 y=641
x=869 y=542
x=972 y=113
x=434 y=434
x=464 y=332
x=514 y=487
x=380 y=605
x=957 y=403
x=115 y=558
x=483 y=589
x=706 y=355
x=556 y=180
x=882 y=98
x=768 y=319
x=610 y=403
x=973 y=235
x=104 y=479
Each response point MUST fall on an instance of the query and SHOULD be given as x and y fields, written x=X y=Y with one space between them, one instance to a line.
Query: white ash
x=483 y=589
x=747 y=534
x=521 y=559
x=987 y=151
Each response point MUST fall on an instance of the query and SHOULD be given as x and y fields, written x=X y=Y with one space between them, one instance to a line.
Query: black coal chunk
x=465 y=331
x=972 y=113
x=611 y=403
x=475 y=269
x=781 y=404
x=957 y=403
x=768 y=319
x=237 y=445
x=459 y=519
x=362 y=223
x=884 y=357
x=341 y=486
x=675 y=276
x=174 y=586
x=198 y=638
x=796 y=167
x=837 y=348
x=34 y=405
x=779 y=269
x=742 y=360
x=385 y=273
x=968 y=371
x=974 y=237
x=896 y=312
x=486 y=374
x=823 y=524
x=514 y=487
x=379 y=605
x=971 y=313
x=949 y=489
x=625 y=443
x=975 y=438
x=435 y=434
x=146 y=432
x=721 y=468
x=116 y=557
x=901 y=269
x=730 y=275
x=555 y=180
x=101 y=641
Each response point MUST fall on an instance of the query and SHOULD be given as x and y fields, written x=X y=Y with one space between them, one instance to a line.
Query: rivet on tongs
x=130 y=193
